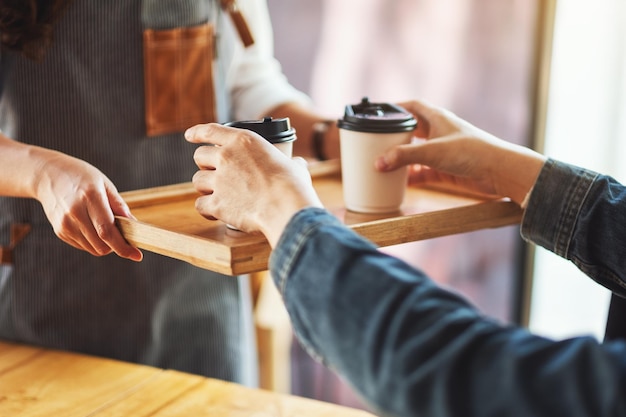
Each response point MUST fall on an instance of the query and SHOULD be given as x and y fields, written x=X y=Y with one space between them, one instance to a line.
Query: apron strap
x=18 y=233
x=239 y=20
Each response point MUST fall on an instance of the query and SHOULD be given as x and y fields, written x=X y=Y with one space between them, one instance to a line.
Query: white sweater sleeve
x=255 y=78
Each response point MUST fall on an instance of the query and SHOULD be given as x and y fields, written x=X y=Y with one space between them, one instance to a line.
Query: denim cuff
x=554 y=205
x=295 y=235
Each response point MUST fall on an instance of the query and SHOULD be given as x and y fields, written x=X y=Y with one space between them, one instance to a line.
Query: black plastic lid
x=377 y=118
x=274 y=130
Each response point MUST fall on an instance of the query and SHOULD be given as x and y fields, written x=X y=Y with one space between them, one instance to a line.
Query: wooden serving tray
x=167 y=222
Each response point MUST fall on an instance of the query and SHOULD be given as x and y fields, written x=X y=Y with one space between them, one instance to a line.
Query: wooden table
x=167 y=222
x=42 y=382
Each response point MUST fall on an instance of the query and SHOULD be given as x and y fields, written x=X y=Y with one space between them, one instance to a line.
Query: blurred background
x=533 y=72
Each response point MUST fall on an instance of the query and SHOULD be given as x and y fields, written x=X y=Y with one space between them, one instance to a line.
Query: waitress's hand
x=81 y=204
x=247 y=182
x=459 y=154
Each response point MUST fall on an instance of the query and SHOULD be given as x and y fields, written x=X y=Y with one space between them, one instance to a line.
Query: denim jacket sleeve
x=581 y=216
x=411 y=348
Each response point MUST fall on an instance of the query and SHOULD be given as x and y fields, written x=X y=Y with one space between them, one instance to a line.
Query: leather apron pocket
x=178 y=76
x=18 y=233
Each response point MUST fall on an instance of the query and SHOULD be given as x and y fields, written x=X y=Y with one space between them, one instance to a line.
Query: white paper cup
x=286 y=148
x=365 y=190
x=366 y=131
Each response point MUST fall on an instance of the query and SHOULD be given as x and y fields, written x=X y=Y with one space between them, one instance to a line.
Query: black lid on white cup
x=274 y=130
x=377 y=118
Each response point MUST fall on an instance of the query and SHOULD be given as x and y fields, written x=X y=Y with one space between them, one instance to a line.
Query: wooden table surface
x=42 y=382
x=167 y=222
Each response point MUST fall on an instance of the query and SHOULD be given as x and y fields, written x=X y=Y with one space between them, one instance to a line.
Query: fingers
x=420 y=107
x=81 y=204
x=424 y=113
x=416 y=153
x=97 y=224
x=435 y=122
x=204 y=206
x=90 y=226
x=390 y=160
x=202 y=182
x=199 y=133
x=205 y=157
x=117 y=242
x=303 y=162
x=210 y=133
x=70 y=233
x=73 y=224
x=225 y=143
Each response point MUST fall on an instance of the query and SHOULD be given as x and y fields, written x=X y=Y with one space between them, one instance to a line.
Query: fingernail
x=189 y=133
x=128 y=213
x=381 y=164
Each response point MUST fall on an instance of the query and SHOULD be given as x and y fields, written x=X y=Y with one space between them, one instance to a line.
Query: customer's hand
x=460 y=154
x=247 y=182
x=81 y=204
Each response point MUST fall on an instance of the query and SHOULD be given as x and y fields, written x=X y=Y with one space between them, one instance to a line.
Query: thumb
x=398 y=157
x=300 y=160
x=117 y=203
x=430 y=152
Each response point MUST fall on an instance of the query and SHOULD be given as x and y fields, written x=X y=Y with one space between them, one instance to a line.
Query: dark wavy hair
x=26 y=26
